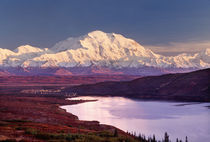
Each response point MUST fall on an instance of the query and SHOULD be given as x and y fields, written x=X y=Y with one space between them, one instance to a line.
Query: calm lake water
x=148 y=117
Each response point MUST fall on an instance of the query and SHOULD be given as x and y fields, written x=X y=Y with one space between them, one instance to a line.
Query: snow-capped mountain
x=100 y=50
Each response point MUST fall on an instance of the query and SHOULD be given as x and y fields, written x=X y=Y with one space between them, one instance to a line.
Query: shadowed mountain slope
x=193 y=86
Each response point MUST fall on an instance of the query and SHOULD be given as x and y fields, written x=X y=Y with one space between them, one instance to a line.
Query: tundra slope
x=193 y=86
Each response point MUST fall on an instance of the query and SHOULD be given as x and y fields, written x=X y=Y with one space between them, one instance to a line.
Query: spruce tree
x=115 y=133
x=153 y=139
x=186 y=140
x=166 y=137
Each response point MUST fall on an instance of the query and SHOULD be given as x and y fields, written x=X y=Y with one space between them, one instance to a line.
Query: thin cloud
x=179 y=47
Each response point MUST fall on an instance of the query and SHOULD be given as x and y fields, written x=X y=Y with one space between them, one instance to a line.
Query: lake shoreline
x=152 y=113
x=43 y=114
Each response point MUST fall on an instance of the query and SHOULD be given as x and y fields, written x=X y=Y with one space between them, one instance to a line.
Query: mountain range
x=97 y=53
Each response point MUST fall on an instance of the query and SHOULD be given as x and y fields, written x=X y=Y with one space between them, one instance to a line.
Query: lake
x=148 y=117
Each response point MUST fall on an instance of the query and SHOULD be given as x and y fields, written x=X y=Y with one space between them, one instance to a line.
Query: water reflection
x=147 y=117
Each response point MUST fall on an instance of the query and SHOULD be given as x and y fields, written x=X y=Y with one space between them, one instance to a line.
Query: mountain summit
x=100 y=50
x=103 y=49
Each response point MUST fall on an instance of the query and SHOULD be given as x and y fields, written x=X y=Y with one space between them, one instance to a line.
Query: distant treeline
x=143 y=138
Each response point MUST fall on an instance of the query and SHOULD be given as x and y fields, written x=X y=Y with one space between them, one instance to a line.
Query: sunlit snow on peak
x=98 y=48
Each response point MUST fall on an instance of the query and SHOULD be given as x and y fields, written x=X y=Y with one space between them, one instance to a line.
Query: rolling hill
x=193 y=86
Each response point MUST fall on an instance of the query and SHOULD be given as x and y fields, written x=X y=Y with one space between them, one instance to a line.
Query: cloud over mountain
x=180 y=47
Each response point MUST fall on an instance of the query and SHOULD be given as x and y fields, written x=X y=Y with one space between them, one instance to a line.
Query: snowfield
x=99 y=49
